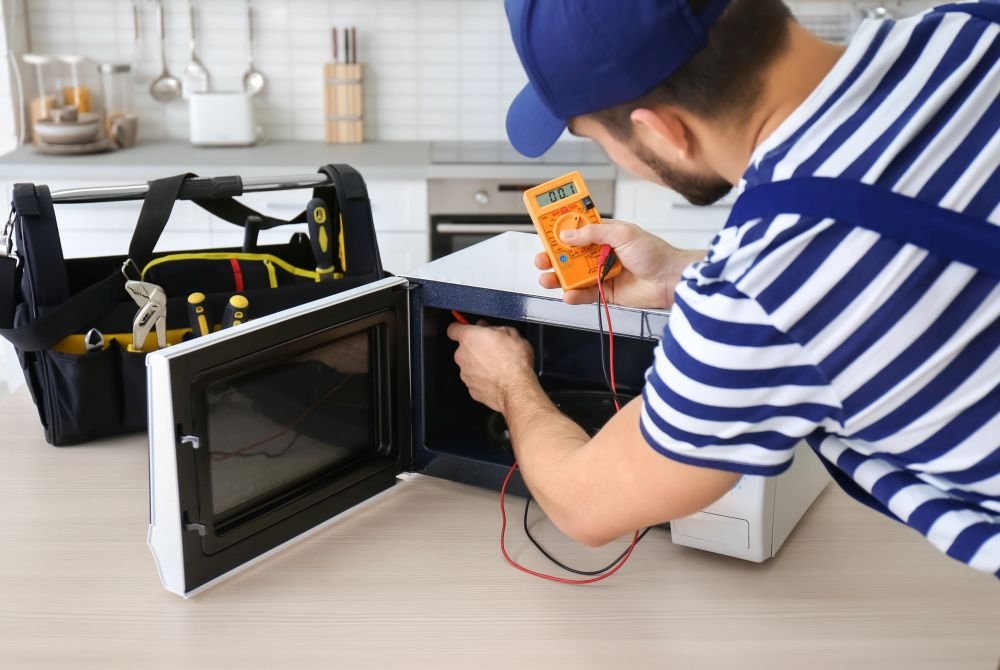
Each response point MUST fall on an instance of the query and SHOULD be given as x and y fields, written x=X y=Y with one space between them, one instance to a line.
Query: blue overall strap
x=940 y=231
x=987 y=9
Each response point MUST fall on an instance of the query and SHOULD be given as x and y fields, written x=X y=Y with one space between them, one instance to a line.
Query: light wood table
x=416 y=580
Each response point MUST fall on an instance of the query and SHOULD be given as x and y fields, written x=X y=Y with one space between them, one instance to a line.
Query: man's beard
x=695 y=189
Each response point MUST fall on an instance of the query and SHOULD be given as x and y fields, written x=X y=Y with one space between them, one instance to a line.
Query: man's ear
x=663 y=126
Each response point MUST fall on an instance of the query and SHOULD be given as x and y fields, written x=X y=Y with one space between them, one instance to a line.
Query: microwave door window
x=272 y=429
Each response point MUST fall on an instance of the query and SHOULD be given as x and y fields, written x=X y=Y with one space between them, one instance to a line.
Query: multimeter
x=564 y=204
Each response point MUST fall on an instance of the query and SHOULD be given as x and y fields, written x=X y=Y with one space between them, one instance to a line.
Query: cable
x=607 y=260
x=546 y=554
x=562 y=580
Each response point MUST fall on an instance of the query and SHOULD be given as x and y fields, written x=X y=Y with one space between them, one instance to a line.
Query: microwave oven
x=262 y=434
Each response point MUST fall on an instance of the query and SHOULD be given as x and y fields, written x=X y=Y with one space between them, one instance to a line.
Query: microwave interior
x=276 y=429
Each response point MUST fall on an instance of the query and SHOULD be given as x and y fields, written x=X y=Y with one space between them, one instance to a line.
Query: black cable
x=585 y=573
x=614 y=392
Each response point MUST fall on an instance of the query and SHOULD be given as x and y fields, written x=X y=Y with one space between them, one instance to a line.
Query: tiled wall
x=435 y=69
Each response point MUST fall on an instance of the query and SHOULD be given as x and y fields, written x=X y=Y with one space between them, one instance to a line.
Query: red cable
x=542 y=575
x=510 y=473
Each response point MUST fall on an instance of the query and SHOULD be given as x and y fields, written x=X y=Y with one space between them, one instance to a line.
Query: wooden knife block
x=344 y=104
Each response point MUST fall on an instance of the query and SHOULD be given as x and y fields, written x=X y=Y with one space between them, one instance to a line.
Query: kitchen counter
x=149 y=160
x=415 y=579
x=375 y=160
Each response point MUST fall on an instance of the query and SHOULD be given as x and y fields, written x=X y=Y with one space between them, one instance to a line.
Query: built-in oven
x=464 y=212
x=474 y=190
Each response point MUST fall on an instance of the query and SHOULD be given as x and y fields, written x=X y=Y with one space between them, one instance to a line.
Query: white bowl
x=82 y=131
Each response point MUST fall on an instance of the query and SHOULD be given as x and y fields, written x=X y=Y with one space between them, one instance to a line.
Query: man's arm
x=594 y=490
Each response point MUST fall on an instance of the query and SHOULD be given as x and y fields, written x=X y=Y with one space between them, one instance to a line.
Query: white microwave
x=264 y=433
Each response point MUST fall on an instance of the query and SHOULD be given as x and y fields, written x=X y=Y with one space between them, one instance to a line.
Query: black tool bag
x=48 y=304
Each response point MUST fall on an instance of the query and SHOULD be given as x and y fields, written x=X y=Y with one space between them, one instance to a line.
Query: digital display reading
x=557 y=194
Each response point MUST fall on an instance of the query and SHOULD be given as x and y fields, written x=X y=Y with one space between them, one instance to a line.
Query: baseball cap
x=582 y=56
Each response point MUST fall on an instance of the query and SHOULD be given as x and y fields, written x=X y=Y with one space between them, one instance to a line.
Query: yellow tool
x=564 y=204
x=322 y=238
x=198 y=315
x=236 y=311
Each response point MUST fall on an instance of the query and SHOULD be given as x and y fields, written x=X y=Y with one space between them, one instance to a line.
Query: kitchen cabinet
x=668 y=215
x=399 y=208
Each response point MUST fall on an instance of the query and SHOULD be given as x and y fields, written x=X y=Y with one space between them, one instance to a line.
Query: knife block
x=344 y=104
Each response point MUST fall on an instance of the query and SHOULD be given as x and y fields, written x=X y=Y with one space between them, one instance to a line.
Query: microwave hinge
x=192 y=440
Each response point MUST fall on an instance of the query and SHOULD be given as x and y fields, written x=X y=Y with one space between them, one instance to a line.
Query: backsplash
x=434 y=69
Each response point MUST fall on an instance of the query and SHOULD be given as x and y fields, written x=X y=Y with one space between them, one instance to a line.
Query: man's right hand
x=652 y=267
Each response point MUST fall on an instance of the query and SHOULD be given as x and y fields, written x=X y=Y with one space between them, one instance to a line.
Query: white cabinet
x=105 y=229
x=399 y=208
x=667 y=214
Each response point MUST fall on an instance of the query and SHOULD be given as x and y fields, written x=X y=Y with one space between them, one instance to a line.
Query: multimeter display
x=560 y=205
x=557 y=194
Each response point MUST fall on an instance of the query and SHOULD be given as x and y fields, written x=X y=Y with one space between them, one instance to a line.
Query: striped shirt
x=884 y=357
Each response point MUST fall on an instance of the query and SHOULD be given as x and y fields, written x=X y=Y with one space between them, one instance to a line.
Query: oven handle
x=485 y=228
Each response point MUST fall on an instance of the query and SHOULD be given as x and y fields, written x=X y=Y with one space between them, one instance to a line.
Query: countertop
x=415 y=580
x=375 y=160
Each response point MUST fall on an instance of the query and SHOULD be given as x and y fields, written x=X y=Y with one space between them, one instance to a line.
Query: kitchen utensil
x=223 y=119
x=254 y=80
x=123 y=129
x=44 y=100
x=82 y=130
x=96 y=147
x=138 y=75
x=196 y=78
x=166 y=87
x=77 y=94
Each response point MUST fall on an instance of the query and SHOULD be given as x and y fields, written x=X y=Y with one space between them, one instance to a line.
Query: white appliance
x=264 y=433
x=223 y=120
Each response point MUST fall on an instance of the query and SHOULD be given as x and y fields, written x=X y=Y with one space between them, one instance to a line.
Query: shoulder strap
x=941 y=231
x=988 y=10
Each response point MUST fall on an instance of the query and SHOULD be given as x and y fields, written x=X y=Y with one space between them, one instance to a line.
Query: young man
x=882 y=354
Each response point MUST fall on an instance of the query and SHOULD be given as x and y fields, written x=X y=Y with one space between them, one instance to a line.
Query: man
x=883 y=355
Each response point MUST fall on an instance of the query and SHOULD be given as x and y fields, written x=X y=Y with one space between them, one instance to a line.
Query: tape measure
x=559 y=205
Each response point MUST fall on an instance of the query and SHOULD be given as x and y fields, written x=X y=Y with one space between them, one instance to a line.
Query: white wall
x=436 y=69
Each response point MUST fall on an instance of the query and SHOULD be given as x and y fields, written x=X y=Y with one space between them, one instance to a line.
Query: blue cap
x=583 y=56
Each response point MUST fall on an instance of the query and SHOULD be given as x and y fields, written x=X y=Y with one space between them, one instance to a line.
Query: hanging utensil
x=254 y=80
x=166 y=87
x=196 y=78
x=138 y=72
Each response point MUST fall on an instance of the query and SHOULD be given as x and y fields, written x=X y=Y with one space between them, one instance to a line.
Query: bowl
x=82 y=131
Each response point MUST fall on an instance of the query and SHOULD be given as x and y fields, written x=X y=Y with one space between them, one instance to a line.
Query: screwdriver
x=236 y=311
x=198 y=315
x=321 y=237
x=251 y=230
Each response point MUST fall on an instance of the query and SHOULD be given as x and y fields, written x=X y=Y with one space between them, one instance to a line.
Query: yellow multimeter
x=559 y=205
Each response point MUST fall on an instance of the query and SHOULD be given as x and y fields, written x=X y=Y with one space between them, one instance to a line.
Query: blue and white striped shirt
x=884 y=357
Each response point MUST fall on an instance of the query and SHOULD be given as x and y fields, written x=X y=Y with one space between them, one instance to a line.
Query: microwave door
x=262 y=433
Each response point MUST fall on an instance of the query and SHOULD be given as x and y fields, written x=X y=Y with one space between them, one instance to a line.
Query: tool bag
x=49 y=303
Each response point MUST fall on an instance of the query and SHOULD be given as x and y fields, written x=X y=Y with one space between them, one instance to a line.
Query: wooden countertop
x=416 y=579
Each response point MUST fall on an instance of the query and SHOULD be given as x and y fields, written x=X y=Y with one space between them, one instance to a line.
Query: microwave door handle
x=483 y=228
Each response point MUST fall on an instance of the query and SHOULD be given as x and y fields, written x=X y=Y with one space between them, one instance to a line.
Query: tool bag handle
x=941 y=231
x=348 y=192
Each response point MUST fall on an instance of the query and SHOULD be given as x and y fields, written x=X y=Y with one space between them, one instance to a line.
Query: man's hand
x=652 y=267
x=494 y=361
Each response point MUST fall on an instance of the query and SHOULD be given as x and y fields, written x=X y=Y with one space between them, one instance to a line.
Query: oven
x=464 y=212
x=474 y=188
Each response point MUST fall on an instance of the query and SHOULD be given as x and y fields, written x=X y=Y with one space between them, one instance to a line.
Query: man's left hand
x=493 y=361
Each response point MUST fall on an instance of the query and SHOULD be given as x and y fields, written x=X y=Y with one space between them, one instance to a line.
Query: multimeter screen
x=557 y=194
